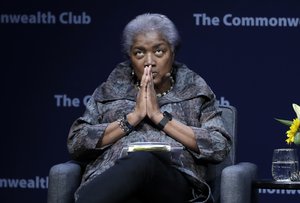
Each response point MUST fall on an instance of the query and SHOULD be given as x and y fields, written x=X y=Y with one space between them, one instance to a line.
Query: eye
x=159 y=52
x=138 y=53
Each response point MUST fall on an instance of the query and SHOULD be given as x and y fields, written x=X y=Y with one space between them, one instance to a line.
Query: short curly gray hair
x=150 y=22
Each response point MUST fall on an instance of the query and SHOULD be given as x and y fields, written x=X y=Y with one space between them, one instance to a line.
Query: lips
x=154 y=74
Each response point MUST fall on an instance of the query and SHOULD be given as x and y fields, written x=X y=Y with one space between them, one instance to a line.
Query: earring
x=134 y=78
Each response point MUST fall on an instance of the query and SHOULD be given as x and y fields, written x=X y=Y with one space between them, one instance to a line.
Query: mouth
x=154 y=74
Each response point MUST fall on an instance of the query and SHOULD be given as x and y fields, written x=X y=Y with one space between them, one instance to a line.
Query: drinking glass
x=284 y=163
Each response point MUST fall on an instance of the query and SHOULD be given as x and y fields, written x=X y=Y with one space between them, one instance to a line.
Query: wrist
x=134 y=119
x=125 y=125
x=156 y=117
x=165 y=119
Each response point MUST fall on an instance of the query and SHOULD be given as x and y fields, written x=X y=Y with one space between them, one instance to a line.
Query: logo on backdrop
x=63 y=100
x=66 y=18
x=229 y=20
x=279 y=191
x=33 y=183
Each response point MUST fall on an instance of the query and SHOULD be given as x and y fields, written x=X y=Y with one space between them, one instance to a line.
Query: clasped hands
x=146 y=102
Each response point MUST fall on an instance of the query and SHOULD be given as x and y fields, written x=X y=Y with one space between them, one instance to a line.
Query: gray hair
x=150 y=22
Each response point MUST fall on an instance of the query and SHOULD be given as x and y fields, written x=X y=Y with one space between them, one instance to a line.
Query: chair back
x=229 y=115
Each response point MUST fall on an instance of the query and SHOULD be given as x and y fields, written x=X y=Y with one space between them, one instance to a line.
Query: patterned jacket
x=191 y=101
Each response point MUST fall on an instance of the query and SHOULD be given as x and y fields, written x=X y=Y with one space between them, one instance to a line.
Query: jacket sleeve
x=213 y=140
x=85 y=133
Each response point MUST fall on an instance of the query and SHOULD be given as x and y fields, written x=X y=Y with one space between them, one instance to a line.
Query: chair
x=230 y=182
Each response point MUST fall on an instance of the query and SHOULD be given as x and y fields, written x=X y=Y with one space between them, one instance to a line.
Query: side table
x=271 y=184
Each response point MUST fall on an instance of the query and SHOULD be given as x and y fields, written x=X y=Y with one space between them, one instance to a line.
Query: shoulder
x=187 y=76
x=191 y=83
x=121 y=72
x=118 y=84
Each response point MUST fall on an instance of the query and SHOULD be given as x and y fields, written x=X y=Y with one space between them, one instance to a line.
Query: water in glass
x=284 y=163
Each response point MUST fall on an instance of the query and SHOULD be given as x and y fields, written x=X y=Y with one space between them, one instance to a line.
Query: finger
x=143 y=82
x=147 y=75
x=150 y=75
x=151 y=79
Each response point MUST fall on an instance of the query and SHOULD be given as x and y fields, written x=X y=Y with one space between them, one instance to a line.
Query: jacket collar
x=119 y=85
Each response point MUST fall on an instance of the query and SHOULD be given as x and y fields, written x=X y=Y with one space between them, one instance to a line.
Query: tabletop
x=272 y=184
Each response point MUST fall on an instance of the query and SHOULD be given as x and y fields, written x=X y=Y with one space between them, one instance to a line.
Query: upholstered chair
x=231 y=182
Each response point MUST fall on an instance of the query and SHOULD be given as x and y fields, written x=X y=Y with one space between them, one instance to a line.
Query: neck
x=165 y=89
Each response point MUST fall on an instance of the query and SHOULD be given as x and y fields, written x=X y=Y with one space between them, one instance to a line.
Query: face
x=151 y=49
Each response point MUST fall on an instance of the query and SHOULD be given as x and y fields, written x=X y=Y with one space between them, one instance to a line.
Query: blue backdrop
x=53 y=55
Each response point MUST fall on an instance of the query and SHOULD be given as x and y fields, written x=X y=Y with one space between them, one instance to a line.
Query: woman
x=149 y=98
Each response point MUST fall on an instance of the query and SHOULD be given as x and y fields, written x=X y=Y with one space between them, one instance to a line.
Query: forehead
x=149 y=39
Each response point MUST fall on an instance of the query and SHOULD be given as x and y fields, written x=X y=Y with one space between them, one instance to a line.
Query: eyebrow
x=155 y=46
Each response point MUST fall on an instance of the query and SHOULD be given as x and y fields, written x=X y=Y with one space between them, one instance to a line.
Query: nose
x=149 y=60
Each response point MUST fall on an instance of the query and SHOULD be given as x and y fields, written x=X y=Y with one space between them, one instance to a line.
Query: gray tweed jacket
x=191 y=101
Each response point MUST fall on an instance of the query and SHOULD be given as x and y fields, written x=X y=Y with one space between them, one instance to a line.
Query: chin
x=156 y=81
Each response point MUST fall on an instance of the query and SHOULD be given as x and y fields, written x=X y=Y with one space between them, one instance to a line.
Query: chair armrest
x=236 y=183
x=64 y=179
